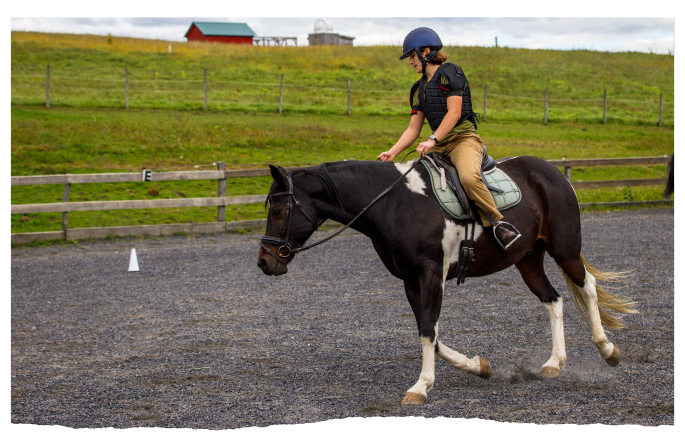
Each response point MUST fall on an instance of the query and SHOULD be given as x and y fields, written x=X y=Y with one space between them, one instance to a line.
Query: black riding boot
x=505 y=234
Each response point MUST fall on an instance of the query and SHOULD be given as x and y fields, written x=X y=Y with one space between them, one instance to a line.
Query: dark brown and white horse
x=419 y=243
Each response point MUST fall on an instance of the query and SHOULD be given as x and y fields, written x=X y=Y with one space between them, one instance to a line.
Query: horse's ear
x=278 y=173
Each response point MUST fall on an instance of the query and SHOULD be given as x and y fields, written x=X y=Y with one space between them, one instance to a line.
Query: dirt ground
x=200 y=338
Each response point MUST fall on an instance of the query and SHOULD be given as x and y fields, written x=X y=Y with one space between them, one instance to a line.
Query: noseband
x=285 y=249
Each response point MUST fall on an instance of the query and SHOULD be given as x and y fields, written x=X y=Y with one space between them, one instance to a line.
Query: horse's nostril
x=261 y=263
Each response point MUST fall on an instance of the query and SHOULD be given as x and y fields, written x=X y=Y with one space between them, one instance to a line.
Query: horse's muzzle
x=269 y=265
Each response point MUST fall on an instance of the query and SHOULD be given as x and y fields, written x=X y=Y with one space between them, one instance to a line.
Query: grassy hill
x=86 y=129
x=88 y=71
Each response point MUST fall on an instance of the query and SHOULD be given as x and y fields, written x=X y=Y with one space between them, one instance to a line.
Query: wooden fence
x=221 y=200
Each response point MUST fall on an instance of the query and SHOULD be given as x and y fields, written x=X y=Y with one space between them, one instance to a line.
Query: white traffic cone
x=133 y=263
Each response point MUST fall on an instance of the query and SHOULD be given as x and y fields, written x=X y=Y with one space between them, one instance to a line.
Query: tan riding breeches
x=466 y=153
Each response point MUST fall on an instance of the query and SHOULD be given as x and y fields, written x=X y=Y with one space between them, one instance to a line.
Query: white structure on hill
x=323 y=35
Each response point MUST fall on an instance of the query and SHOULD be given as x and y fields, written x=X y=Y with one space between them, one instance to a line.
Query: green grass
x=55 y=141
x=58 y=141
x=87 y=71
x=86 y=129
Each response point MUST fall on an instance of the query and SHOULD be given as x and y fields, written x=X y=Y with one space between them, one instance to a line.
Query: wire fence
x=225 y=94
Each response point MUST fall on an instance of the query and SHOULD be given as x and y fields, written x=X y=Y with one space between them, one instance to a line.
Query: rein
x=284 y=242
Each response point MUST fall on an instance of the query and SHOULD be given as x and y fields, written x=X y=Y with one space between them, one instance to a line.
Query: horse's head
x=291 y=220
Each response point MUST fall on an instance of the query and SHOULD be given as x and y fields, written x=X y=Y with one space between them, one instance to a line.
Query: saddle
x=458 y=205
x=444 y=165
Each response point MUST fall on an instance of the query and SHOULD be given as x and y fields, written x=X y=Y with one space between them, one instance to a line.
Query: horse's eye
x=276 y=212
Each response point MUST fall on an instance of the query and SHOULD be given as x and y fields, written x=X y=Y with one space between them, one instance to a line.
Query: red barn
x=228 y=33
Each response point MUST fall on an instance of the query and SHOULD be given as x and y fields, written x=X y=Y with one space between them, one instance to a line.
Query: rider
x=443 y=97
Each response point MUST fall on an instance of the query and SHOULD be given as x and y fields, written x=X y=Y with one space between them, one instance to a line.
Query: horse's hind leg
x=583 y=288
x=608 y=351
x=533 y=273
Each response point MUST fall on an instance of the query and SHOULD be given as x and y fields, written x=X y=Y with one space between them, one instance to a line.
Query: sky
x=561 y=33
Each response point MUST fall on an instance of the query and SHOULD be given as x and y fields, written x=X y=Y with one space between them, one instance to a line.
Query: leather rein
x=285 y=249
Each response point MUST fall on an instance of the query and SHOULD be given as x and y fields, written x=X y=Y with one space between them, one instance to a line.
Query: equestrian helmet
x=419 y=38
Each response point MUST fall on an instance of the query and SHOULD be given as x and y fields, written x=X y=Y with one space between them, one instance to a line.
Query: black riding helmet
x=421 y=38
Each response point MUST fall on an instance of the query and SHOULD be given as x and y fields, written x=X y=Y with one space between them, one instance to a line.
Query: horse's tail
x=610 y=306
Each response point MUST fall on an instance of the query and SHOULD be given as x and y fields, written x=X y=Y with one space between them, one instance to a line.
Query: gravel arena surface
x=200 y=338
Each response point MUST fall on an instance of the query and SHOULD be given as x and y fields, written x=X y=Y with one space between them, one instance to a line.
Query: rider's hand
x=386 y=156
x=425 y=146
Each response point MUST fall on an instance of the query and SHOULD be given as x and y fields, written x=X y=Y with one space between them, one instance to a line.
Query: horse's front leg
x=425 y=298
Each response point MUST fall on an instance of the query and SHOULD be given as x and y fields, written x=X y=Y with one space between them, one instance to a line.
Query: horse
x=418 y=242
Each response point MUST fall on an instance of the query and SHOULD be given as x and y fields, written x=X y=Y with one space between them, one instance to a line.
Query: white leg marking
x=427 y=377
x=555 y=311
x=414 y=181
x=589 y=293
x=458 y=360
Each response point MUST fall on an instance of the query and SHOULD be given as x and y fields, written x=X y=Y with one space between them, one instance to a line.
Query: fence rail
x=136 y=177
x=221 y=201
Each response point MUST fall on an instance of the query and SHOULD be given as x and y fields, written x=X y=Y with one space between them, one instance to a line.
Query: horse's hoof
x=615 y=357
x=485 y=370
x=413 y=398
x=550 y=372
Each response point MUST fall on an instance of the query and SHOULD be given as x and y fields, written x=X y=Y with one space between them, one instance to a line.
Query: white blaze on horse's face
x=414 y=181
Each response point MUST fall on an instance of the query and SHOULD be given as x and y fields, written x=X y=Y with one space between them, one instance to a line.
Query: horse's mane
x=321 y=173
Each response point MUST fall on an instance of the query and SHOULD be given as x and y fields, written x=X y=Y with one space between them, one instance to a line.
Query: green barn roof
x=223 y=29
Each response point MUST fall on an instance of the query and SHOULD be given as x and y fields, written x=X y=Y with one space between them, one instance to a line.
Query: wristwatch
x=434 y=138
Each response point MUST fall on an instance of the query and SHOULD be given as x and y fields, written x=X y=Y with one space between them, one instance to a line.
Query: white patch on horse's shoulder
x=451 y=237
x=414 y=181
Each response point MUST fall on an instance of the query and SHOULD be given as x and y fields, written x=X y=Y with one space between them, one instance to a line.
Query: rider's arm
x=451 y=117
x=407 y=139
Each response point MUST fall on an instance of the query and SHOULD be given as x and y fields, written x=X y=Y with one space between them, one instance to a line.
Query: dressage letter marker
x=133 y=263
x=147 y=175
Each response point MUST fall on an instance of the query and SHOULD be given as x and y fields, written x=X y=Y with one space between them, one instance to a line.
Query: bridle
x=285 y=249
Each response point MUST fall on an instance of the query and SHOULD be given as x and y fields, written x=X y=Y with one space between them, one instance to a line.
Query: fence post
x=605 y=106
x=661 y=106
x=221 y=210
x=349 y=98
x=47 y=91
x=205 y=89
x=485 y=103
x=567 y=172
x=280 y=97
x=126 y=74
x=65 y=198
x=545 y=105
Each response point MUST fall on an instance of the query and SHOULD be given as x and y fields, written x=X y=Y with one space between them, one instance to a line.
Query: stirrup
x=494 y=233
